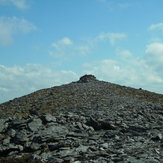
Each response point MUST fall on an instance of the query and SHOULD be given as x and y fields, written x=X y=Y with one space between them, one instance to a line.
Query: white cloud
x=158 y=26
x=134 y=72
x=17 y=81
x=66 y=48
x=61 y=48
x=83 y=49
x=154 y=52
x=154 y=56
x=21 y=4
x=124 y=53
x=63 y=42
x=111 y=37
x=12 y=25
x=4 y=90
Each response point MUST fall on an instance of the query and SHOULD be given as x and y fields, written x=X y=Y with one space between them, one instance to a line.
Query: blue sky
x=53 y=42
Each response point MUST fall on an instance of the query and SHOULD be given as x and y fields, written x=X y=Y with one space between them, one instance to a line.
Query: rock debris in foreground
x=83 y=122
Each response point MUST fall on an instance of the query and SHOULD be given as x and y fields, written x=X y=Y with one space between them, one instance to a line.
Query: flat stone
x=35 y=124
x=105 y=145
x=82 y=148
x=48 y=118
x=55 y=131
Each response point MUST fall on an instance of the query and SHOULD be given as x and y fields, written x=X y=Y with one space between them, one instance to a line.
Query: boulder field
x=88 y=121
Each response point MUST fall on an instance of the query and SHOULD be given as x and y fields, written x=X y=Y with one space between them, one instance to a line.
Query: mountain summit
x=84 y=121
x=87 y=78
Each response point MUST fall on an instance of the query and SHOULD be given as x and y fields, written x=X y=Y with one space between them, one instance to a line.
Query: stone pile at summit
x=83 y=122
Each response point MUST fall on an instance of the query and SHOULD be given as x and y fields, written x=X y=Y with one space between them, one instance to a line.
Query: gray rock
x=68 y=152
x=2 y=124
x=12 y=132
x=82 y=149
x=75 y=134
x=35 y=124
x=48 y=118
x=105 y=145
x=21 y=136
x=142 y=160
x=45 y=156
x=35 y=146
x=72 y=136
x=6 y=141
x=56 y=131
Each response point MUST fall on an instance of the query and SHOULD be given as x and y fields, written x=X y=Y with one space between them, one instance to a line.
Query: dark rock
x=55 y=146
x=17 y=123
x=87 y=78
x=158 y=137
x=100 y=124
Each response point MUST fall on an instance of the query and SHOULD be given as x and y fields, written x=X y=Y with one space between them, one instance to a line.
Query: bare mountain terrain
x=84 y=121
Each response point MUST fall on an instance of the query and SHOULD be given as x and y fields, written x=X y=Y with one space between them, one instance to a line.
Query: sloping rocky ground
x=81 y=122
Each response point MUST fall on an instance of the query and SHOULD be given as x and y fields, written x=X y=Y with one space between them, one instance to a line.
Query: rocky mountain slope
x=84 y=121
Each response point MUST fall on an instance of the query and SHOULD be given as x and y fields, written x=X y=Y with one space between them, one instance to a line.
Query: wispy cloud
x=21 y=4
x=113 y=5
x=158 y=26
x=63 y=42
x=112 y=37
x=66 y=48
x=124 y=53
x=12 y=25
x=124 y=5
x=3 y=89
x=16 y=81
